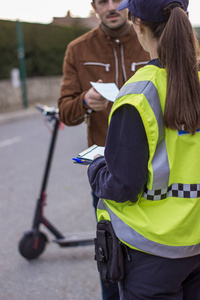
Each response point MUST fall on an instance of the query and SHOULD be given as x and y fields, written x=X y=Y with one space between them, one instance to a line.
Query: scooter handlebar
x=46 y=110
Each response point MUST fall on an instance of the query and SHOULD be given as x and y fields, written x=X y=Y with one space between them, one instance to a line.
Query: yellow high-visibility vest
x=165 y=221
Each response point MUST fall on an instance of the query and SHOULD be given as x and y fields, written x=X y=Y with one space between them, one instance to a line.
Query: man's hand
x=94 y=100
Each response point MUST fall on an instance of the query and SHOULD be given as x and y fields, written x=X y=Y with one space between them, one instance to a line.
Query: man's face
x=108 y=13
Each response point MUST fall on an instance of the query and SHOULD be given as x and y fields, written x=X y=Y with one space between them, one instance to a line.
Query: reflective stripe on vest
x=161 y=177
x=128 y=235
x=131 y=237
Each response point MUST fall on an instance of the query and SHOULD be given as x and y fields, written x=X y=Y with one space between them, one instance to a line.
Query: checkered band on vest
x=175 y=190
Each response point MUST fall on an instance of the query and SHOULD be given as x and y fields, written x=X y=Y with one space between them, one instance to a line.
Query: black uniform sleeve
x=122 y=173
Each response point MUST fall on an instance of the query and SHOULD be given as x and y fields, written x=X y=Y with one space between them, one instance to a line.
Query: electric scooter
x=33 y=242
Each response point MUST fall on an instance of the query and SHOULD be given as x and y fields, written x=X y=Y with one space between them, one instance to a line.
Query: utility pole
x=21 y=56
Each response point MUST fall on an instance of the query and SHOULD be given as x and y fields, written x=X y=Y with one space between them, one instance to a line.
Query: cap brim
x=123 y=5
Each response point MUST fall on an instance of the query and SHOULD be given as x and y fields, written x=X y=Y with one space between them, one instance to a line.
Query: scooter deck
x=74 y=239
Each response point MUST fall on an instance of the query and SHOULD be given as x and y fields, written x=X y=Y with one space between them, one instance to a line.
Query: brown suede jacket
x=91 y=57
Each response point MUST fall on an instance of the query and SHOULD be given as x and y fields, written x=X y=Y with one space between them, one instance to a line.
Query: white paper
x=90 y=152
x=108 y=90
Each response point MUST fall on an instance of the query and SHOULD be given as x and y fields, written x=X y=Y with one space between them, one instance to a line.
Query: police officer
x=149 y=178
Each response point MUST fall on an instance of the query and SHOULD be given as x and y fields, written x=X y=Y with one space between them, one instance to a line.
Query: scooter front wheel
x=32 y=244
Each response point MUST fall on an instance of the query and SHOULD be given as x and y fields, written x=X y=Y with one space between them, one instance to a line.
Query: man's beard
x=114 y=28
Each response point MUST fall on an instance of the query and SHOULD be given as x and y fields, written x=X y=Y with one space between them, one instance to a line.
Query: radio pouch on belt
x=108 y=253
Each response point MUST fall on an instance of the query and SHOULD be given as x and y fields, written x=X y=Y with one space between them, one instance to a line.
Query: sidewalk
x=59 y=273
x=12 y=114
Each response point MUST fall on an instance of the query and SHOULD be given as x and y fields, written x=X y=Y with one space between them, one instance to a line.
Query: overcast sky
x=43 y=11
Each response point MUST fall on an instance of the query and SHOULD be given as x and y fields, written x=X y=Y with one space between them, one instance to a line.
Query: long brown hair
x=178 y=51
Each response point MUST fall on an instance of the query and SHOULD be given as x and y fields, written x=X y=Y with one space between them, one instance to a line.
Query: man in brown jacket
x=109 y=53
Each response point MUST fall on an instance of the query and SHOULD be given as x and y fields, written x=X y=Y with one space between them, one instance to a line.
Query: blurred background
x=34 y=35
x=33 y=39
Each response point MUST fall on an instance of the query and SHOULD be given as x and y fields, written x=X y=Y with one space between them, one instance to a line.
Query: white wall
x=39 y=89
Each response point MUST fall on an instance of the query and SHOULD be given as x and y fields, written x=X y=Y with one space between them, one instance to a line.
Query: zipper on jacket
x=116 y=64
x=107 y=66
x=134 y=64
x=123 y=65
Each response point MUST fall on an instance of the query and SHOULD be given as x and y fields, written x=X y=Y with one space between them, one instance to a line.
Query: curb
x=12 y=116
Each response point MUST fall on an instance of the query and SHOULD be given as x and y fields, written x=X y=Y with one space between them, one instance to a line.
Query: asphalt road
x=58 y=273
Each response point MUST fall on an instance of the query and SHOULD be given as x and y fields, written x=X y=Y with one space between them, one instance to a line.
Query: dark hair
x=178 y=51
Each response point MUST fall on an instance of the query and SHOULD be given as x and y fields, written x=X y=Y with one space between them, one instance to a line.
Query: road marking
x=9 y=142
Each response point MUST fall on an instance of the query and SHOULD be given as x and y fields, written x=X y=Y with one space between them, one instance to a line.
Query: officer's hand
x=94 y=100
x=97 y=155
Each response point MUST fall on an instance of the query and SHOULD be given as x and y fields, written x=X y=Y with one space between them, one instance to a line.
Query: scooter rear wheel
x=32 y=244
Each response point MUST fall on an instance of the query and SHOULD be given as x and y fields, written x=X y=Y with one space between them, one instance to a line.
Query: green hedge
x=197 y=31
x=44 y=46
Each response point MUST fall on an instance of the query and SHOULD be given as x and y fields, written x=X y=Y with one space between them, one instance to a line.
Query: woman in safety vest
x=149 y=179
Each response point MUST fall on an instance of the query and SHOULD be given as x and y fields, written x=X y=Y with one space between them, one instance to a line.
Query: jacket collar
x=155 y=62
x=130 y=35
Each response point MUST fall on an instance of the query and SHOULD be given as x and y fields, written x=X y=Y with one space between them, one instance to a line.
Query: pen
x=78 y=160
x=82 y=161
